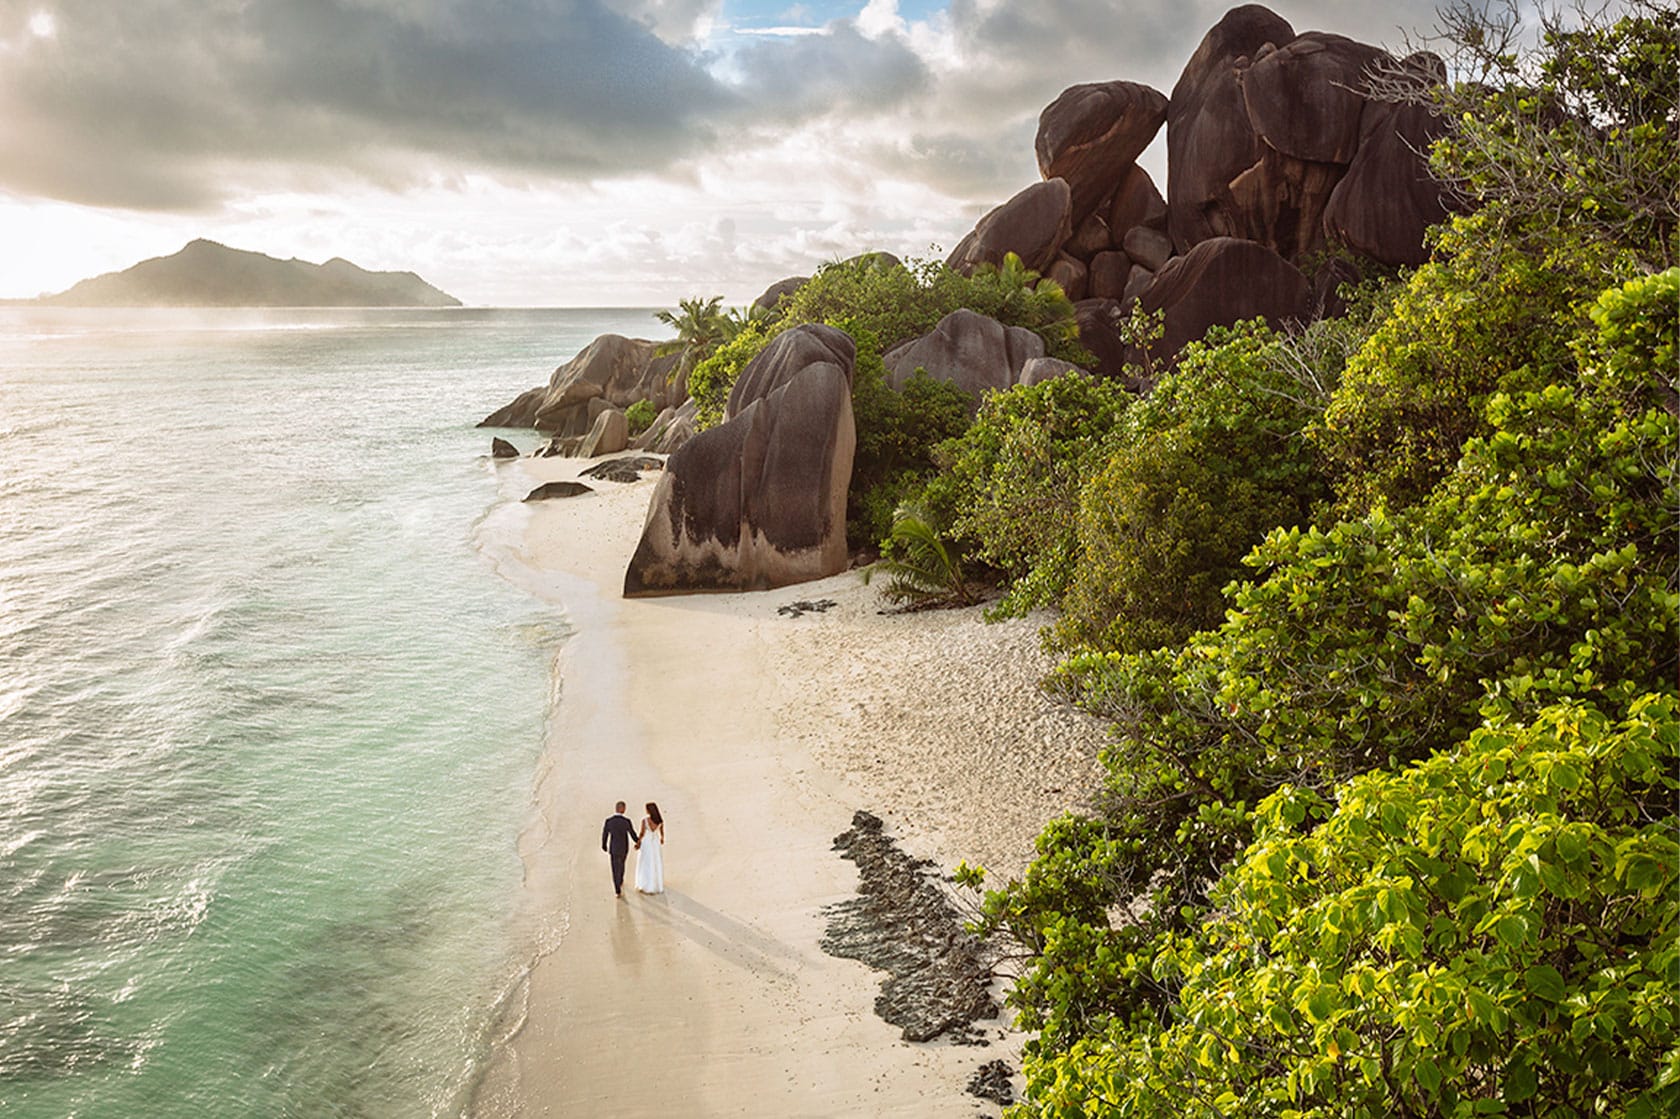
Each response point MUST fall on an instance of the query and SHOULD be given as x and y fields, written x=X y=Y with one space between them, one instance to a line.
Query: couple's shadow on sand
x=733 y=941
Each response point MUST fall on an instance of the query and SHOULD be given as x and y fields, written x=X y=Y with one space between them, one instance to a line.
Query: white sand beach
x=759 y=735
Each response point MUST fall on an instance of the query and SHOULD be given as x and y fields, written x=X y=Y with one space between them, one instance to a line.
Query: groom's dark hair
x=619 y=807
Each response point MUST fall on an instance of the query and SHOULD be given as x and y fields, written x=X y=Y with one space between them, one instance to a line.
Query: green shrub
x=1011 y=483
x=896 y=434
x=920 y=566
x=711 y=380
x=1203 y=467
x=1494 y=924
x=1542 y=571
x=640 y=416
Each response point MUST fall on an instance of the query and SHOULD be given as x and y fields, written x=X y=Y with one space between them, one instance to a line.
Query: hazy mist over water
x=268 y=717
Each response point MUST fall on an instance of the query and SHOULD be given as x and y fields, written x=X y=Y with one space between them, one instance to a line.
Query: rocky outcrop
x=520 y=412
x=967 y=349
x=1387 y=199
x=1034 y=225
x=1209 y=138
x=608 y=435
x=780 y=290
x=669 y=430
x=1304 y=99
x=1092 y=133
x=1040 y=369
x=1219 y=282
x=616 y=370
x=760 y=500
x=1099 y=332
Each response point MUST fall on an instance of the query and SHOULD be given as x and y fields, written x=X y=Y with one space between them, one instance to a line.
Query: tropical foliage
x=920 y=568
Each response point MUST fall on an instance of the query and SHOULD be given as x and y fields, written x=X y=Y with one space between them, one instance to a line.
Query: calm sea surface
x=268 y=716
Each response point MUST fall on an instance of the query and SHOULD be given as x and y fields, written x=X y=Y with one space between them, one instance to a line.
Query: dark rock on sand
x=760 y=500
x=903 y=923
x=991 y=1082
x=626 y=469
x=501 y=448
x=557 y=489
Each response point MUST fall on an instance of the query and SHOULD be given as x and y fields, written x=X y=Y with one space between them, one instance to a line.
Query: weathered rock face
x=1091 y=133
x=760 y=500
x=781 y=289
x=1108 y=275
x=1217 y=283
x=1136 y=202
x=1071 y=275
x=609 y=434
x=1304 y=99
x=612 y=368
x=501 y=448
x=1040 y=369
x=670 y=429
x=1099 y=332
x=786 y=356
x=1387 y=199
x=1148 y=247
x=550 y=490
x=1209 y=138
x=967 y=349
x=522 y=412
x=1034 y=225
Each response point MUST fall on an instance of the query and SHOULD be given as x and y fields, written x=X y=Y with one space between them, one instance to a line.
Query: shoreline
x=759 y=735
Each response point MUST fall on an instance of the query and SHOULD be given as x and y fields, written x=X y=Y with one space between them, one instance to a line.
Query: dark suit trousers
x=618 y=858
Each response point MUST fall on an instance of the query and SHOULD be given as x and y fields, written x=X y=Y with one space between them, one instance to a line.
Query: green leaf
x=1544 y=981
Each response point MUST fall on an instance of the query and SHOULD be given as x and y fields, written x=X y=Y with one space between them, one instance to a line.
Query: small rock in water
x=991 y=1082
x=557 y=489
x=501 y=448
x=805 y=606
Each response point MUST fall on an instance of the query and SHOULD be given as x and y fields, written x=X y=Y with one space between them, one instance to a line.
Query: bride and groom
x=618 y=835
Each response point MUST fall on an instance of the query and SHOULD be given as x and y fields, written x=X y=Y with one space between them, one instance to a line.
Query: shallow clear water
x=268 y=717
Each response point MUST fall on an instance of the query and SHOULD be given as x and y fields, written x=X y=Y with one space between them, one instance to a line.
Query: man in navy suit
x=618 y=835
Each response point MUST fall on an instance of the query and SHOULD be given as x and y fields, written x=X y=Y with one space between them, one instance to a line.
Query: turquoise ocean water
x=268 y=715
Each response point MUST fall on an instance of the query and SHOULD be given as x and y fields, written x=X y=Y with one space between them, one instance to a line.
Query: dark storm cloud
x=155 y=103
x=838 y=71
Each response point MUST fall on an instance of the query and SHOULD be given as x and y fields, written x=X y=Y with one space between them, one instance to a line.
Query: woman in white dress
x=650 y=853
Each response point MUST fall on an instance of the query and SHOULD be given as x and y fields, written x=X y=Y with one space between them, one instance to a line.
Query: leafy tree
x=1489 y=931
x=1013 y=480
x=1543 y=570
x=701 y=326
x=711 y=380
x=896 y=434
x=640 y=416
x=1573 y=136
x=1203 y=467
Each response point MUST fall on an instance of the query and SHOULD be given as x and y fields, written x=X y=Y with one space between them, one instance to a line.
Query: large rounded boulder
x=1209 y=138
x=969 y=350
x=1220 y=282
x=1091 y=134
x=760 y=500
x=1387 y=199
x=1034 y=225
x=1305 y=98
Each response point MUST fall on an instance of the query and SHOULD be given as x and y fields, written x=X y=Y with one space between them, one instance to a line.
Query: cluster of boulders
x=1283 y=172
x=1276 y=154
x=582 y=408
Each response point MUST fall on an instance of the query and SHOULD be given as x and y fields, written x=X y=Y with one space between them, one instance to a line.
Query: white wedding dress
x=650 y=860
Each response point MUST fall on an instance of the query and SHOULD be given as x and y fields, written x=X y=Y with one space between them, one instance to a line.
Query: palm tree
x=924 y=570
x=701 y=325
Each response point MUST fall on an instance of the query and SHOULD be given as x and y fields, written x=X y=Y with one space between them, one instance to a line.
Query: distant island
x=207 y=274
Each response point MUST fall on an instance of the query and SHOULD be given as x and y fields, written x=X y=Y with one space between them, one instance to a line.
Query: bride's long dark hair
x=653 y=814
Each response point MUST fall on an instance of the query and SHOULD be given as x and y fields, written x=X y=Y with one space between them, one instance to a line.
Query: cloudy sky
x=554 y=152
